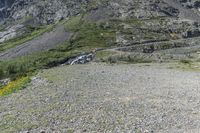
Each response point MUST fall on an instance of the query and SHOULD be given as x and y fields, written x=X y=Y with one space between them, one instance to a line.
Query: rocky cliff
x=49 y=11
x=4 y=8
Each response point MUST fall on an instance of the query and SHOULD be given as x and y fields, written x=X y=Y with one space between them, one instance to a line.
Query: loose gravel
x=105 y=98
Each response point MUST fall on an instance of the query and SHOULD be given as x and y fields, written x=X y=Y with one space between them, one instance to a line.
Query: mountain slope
x=156 y=30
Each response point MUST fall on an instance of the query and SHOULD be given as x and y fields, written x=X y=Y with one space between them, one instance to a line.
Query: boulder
x=82 y=59
x=191 y=33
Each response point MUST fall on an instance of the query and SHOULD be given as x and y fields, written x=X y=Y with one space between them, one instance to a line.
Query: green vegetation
x=116 y=57
x=14 y=86
x=73 y=23
x=1 y=86
x=87 y=37
x=127 y=59
x=104 y=54
x=29 y=64
x=184 y=61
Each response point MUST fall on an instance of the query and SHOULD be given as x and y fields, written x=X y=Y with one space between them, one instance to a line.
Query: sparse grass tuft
x=128 y=59
x=185 y=61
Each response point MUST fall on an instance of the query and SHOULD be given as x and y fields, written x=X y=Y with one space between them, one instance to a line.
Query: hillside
x=144 y=31
x=40 y=38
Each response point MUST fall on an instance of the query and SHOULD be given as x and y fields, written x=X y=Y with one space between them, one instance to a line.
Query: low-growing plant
x=14 y=86
x=1 y=73
x=184 y=61
x=127 y=59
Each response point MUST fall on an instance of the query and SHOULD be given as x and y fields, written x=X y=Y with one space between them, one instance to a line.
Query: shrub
x=185 y=61
x=1 y=72
x=11 y=69
x=14 y=86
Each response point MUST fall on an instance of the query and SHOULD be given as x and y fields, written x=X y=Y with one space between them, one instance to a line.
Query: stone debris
x=81 y=59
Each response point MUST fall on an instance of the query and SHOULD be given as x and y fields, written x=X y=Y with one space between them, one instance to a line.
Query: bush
x=14 y=86
x=11 y=69
x=185 y=61
x=112 y=59
x=1 y=73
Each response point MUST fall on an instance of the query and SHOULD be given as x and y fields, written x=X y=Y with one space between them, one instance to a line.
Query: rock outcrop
x=11 y=32
x=49 y=11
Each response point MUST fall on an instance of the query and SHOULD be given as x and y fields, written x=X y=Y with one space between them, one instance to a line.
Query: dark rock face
x=47 y=11
x=191 y=33
x=5 y=5
x=50 y=11
x=191 y=3
x=197 y=4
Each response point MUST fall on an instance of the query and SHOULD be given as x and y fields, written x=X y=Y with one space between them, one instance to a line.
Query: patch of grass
x=89 y=34
x=127 y=59
x=14 y=86
x=88 y=37
x=193 y=66
x=92 y=36
x=70 y=131
x=185 y=61
x=103 y=54
x=2 y=28
x=73 y=23
x=27 y=65
x=1 y=86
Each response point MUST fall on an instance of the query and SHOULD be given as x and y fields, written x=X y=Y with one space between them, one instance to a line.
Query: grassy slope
x=89 y=37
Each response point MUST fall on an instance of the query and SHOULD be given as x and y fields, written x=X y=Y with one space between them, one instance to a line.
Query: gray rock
x=10 y=33
x=191 y=33
x=4 y=81
x=81 y=59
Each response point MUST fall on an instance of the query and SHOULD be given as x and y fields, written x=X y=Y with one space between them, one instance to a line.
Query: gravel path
x=44 y=42
x=105 y=98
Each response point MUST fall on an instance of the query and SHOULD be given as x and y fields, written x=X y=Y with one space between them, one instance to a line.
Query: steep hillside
x=53 y=32
x=144 y=31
